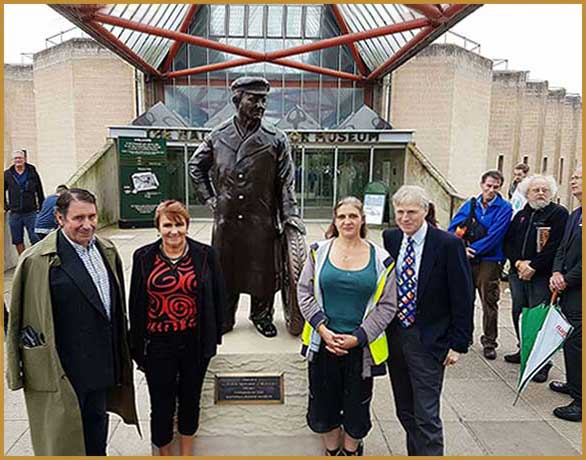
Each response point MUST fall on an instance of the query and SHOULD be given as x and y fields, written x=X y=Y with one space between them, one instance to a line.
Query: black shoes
x=559 y=387
x=514 y=358
x=333 y=453
x=227 y=328
x=572 y=412
x=489 y=353
x=265 y=327
x=541 y=376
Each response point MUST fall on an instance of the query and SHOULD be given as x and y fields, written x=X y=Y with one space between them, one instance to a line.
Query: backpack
x=470 y=230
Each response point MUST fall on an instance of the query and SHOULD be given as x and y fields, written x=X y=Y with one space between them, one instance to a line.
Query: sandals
x=342 y=452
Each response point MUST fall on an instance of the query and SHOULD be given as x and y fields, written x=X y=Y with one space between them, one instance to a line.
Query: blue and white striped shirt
x=96 y=268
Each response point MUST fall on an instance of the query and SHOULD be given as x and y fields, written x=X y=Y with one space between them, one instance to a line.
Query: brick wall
x=81 y=89
x=552 y=135
x=20 y=129
x=508 y=89
x=444 y=94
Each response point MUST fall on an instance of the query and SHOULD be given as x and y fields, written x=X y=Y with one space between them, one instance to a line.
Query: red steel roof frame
x=436 y=21
x=184 y=28
x=345 y=30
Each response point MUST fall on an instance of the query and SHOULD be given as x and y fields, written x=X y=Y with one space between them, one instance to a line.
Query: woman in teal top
x=347 y=294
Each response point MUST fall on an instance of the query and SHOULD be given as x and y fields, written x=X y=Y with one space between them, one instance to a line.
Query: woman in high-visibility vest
x=347 y=295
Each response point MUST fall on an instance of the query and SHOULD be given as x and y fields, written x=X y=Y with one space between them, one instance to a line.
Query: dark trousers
x=260 y=309
x=175 y=377
x=486 y=276
x=527 y=294
x=417 y=379
x=95 y=420
x=573 y=357
x=338 y=395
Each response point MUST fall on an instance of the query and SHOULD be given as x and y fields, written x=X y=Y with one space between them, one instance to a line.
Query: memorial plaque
x=249 y=388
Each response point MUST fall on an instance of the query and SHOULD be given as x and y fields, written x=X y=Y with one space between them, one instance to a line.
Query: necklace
x=345 y=249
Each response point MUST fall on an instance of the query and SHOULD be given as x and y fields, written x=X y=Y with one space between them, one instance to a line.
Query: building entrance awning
x=380 y=37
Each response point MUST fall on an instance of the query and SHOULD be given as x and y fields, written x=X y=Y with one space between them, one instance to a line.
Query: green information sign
x=142 y=149
x=143 y=179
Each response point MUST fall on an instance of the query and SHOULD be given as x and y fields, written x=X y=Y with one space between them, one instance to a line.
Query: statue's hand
x=212 y=203
x=295 y=222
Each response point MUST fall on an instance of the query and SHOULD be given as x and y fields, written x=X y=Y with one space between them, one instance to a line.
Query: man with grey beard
x=530 y=245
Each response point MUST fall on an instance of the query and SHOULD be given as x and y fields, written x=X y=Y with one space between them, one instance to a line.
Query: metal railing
x=65 y=35
x=460 y=40
x=502 y=64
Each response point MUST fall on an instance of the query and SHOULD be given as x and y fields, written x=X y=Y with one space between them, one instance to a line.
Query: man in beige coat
x=67 y=335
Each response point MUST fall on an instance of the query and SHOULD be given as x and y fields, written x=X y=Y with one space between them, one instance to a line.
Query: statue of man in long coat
x=245 y=173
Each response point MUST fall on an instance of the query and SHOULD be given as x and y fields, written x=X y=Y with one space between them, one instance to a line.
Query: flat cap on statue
x=252 y=85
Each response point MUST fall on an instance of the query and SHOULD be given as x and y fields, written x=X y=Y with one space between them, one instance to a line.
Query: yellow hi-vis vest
x=378 y=347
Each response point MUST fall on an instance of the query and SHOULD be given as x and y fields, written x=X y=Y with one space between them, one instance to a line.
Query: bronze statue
x=245 y=173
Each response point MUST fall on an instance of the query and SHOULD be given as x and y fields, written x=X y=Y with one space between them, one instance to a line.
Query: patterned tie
x=407 y=286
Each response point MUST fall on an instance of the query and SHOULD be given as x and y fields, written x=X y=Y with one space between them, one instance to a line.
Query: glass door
x=318 y=183
x=352 y=172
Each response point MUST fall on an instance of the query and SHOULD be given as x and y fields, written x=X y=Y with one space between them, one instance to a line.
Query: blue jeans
x=18 y=222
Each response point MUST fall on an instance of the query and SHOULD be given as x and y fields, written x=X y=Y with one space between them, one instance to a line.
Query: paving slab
x=13 y=431
x=570 y=431
x=14 y=406
x=458 y=439
x=527 y=438
x=486 y=400
x=375 y=443
x=477 y=410
x=126 y=440
x=22 y=447
x=383 y=407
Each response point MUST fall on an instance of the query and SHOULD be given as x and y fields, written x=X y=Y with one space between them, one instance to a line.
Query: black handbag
x=470 y=229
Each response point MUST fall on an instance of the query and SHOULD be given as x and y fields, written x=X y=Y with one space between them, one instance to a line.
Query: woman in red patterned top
x=176 y=300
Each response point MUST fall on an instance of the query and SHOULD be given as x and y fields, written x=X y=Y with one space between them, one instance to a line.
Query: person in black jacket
x=23 y=197
x=567 y=280
x=530 y=245
x=433 y=325
x=176 y=305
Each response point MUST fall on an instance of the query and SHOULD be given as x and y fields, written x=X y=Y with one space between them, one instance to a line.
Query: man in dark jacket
x=251 y=193
x=567 y=280
x=23 y=196
x=530 y=245
x=67 y=336
x=485 y=254
x=433 y=324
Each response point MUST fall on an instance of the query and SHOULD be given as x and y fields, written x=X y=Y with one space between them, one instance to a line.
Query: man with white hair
x=433 y=325
x=530 y=245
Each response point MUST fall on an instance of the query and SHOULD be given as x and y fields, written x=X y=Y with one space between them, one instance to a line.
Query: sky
x=546 y=40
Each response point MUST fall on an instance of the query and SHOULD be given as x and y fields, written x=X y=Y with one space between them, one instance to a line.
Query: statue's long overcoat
x=252 y=179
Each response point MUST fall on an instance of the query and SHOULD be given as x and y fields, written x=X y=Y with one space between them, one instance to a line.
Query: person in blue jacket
x=486 y=254
x=46 y=222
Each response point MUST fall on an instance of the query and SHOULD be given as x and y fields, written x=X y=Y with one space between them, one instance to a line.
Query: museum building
x=328 y=66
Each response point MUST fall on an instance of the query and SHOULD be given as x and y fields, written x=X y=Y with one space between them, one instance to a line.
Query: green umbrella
x=543 y=331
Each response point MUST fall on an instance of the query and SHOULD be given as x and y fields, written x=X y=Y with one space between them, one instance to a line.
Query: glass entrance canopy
x=378 y=37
